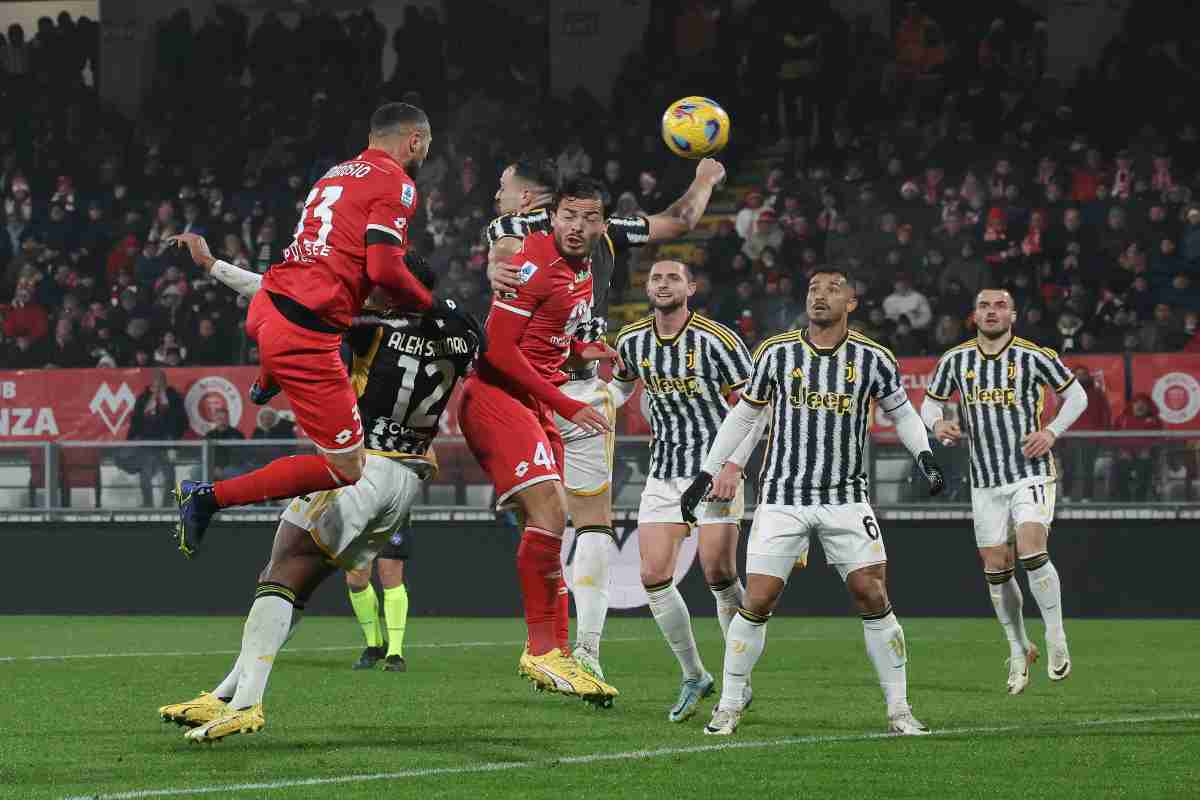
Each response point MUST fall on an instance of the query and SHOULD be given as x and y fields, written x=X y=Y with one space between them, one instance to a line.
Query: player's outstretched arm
x=738 y=424
x=684 y=214
x=726 y=482
x=911 y=431
x=504 y=354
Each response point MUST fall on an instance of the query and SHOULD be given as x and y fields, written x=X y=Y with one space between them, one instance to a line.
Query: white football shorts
x=780 y=538
x=997 y=511
x=353 y=523
x=587 y=456
x=660 y=503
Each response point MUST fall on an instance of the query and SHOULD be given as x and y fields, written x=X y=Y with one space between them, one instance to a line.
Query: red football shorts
x=308 y=367
x=516 y=445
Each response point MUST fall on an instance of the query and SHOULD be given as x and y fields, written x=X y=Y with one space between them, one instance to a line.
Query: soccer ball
x=695 y=127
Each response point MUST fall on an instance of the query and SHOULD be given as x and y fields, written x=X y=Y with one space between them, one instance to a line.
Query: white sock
x=744 y=645
x=889 y=655
x=671 y=614
x=589 y=579
x=226 y=688
x=1009 y=602
x=1047 y=591
x=729 y=600
x=266 y=630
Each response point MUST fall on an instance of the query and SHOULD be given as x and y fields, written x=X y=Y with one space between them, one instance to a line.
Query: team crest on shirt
x=851 y=373
x=970 y=374
x=690 y=360
x=1012 y=371
x=408 y=194
x=645 y=363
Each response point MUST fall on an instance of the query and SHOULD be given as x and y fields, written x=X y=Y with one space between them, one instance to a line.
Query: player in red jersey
x=352 y=236
x=508 y=412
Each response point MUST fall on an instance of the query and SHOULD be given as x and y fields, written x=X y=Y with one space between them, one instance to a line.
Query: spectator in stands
x=66 y=350
x=1162 y=332
x=1134 y=471
x=227 y=462
x=25 y=319
x=905 y=301
x=573 y=160
x=766 y=234
x=209 y=348
x=158 y=414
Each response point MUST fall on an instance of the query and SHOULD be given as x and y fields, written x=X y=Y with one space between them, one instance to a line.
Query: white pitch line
x=334 y=648
x=628 y=755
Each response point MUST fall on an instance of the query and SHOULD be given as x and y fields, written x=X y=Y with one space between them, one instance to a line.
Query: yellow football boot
x=204 y=708
x=247 y=720
x=554 y=672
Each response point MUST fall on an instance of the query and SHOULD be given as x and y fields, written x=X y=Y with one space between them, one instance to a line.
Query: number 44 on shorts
x=541 y=458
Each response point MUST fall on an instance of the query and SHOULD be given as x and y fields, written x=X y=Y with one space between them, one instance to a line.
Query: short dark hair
x=540 y=172
x=834 y=269
x=579 y=188
x=389 y=117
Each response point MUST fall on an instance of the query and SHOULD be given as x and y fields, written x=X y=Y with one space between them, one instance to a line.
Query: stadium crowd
x=932 y=165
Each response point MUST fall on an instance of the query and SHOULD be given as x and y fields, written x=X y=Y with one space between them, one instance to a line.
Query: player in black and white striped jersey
x=1001 y=380
x=817 y=386
x=690 y=368
x=525 y=189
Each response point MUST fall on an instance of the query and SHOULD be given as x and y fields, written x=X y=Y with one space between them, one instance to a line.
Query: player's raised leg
x=365 y=603
x=659 y=545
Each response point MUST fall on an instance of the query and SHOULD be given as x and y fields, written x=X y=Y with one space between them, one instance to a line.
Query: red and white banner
x=96 y=404
x=1173 y=382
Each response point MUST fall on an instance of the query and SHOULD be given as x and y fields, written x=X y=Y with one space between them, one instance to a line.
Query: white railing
x=1161 y=474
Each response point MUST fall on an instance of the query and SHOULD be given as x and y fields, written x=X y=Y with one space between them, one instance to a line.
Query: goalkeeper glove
x=932 y=472
x=694 y=495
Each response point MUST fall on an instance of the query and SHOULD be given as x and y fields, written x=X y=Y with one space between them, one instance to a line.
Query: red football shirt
x=324 y=269
x=554 y=299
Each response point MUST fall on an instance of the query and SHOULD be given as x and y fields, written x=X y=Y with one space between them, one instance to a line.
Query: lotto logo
x=343 y=436
x=521 y=469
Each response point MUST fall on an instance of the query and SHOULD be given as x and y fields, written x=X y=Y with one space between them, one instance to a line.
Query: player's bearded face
x=578 y=223
x=829 y=299
x=668 y=289
x=994 y=314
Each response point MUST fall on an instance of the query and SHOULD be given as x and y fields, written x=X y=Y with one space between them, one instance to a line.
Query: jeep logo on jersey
x=112 y=407
x=625 y=570
x=408 y=194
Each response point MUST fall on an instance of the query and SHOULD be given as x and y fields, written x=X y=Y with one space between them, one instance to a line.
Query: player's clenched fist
x=711 y=170
x=948 y=433
x=197 y=248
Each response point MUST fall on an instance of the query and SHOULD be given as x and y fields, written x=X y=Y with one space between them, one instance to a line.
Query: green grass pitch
x=460 y=724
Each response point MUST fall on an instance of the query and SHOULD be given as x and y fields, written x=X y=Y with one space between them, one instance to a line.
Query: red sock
x=562 y=620
x=284 y=477
x=539 y=571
